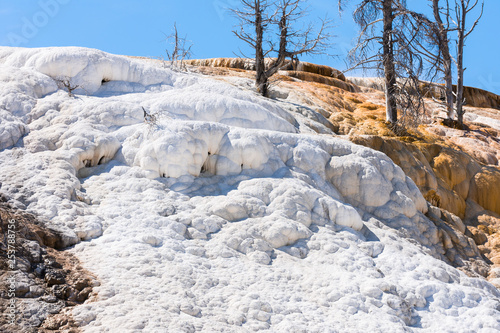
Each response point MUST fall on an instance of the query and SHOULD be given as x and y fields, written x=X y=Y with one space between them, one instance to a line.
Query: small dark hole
x=101 y=160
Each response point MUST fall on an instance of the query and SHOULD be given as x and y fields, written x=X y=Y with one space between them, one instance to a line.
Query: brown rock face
x=328 y=80
x=485 y=189
x=478 y=236
x=41 y=281
x=447 y=176
x=248 y=64
x=481 y=98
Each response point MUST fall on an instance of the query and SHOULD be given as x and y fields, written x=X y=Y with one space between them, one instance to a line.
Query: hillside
x=456 y=170
x=197 y=205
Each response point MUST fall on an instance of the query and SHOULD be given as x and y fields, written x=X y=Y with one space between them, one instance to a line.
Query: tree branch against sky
x=384 y=44
x=273 y=29
x=448 y=16
x=462 y=9
x=444 y=60
x=209 y=27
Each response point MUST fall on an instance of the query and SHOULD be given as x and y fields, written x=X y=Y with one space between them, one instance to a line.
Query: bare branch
x=64 y=82
x=179 y=50
x=269 y=29
x=389 y=40
x=476 y=21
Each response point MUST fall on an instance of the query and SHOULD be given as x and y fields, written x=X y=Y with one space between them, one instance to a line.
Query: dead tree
x=434 y=47
x=462 y=9
x=443 y=44
x=388 y=61
x=268 y=28
x=64 y=82
x=437 y=47
x=179 y=50
x=390 y=51
x=254 y=13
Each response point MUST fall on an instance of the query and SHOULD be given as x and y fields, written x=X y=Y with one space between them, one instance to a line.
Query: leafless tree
x=462 y=9
x=437 y=50
x=269 y=28
x=435 y=47
x=64 y=82
x=444 y=60
x=385 y=44
x=179 y=49
x=388 y=58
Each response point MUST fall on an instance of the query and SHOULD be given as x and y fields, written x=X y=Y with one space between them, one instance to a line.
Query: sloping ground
x=456 y=170
x=201 y=206
x=453 y=180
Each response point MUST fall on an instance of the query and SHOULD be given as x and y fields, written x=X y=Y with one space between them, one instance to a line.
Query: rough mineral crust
x=201 y=206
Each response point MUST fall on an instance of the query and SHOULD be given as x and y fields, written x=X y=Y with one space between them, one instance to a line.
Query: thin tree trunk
x=262 y=84
x=282 y=52
x=261 y=80
x=447 y=62
x=460 y=66
x=280 y=61
x=389 y=68
x=448 y=85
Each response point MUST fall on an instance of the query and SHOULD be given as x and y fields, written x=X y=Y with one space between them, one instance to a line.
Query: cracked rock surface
x=47 y=281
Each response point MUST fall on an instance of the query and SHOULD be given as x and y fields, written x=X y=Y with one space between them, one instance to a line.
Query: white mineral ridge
x=227 y=212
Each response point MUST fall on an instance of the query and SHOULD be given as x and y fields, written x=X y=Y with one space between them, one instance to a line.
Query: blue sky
x=134 y=27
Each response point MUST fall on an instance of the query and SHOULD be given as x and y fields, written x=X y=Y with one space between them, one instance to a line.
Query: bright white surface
x=225 y=215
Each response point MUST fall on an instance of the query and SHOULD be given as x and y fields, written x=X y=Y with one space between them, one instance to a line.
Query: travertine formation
x=456 y=170
x=202 y=206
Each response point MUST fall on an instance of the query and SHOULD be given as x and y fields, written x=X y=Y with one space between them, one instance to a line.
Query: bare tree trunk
x=460 y=64
x=181 y=50
x=447 y=61
x=460 y=86
x=388 y=60
x=282 y=52
x=261 y=80
x=448 y=79
x=462 y=8
x=258 y=16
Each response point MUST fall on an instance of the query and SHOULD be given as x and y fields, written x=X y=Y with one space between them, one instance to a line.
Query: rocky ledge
x=39 y=283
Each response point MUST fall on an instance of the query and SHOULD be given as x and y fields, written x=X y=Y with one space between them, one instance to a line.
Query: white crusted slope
x=223 y=214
